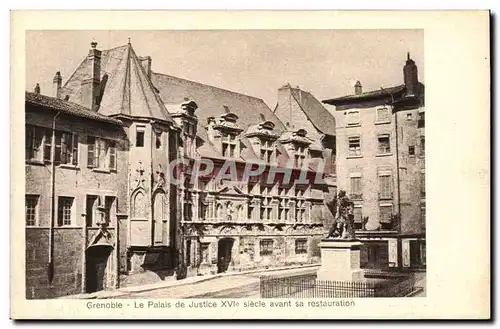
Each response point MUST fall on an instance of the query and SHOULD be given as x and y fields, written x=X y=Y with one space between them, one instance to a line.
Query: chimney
x=146 y=65
x=91 y=87
x=57 y=82
x=358 y=88
x=410 y=73
x=37 y=88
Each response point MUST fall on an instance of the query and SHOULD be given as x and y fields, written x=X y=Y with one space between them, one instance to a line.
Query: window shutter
x=59 y=142
x=112 y=155
x=74 y=156
x=47 y=146
x=91 y=152
x=65 y=147
x=29 y=142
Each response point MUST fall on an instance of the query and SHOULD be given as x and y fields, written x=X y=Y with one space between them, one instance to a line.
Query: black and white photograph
x=206 y=183
x=219 y=168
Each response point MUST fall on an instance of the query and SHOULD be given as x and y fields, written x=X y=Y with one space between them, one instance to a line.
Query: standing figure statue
x=343 y=225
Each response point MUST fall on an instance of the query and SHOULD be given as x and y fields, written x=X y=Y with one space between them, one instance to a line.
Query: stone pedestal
x=340 y=261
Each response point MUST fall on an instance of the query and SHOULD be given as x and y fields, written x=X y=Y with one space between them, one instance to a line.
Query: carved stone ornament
x=160 y=178
x=139 y=176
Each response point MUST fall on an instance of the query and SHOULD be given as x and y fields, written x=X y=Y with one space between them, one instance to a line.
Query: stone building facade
x=381 y=165
x=102 y=146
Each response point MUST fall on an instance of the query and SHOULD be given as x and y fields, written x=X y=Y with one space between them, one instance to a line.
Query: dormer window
x=223 y=131
x=266 y=150
x=229 y=143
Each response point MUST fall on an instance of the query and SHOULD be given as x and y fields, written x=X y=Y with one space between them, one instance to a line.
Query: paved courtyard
x=236 y=286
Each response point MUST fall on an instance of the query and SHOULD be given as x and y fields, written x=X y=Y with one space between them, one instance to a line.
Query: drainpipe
x=398 y=183
x=397 y=172
x=50 y=267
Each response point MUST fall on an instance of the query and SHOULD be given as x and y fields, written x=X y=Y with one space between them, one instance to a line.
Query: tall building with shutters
x=381 y=165
x=103 y=210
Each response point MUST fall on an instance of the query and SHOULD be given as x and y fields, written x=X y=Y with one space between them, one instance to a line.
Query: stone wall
x=67 y=260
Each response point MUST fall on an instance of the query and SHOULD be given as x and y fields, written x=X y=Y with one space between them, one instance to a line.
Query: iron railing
x=307 y=286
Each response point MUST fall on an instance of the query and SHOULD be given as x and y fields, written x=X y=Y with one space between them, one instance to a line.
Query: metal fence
x=306 y=286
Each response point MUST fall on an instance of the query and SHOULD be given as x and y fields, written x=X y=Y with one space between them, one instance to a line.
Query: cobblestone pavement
x=237 y=286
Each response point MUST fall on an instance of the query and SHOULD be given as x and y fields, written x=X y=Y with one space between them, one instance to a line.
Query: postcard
x=250 y=165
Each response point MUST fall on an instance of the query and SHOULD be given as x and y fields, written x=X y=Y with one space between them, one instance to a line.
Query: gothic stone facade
x=101 y=147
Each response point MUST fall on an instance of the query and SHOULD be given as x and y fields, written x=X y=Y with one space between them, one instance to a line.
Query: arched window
x=139 y=205
x=160 y=211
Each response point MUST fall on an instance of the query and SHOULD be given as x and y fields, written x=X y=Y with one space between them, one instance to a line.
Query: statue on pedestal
x=343 y=225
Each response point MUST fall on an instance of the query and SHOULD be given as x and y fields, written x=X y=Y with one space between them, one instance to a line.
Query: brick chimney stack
x=410 y=73
x=358 y=88
x=57 y=83
x=91 y=87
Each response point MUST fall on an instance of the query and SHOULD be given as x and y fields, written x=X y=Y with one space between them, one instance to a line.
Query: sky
x=326 y=63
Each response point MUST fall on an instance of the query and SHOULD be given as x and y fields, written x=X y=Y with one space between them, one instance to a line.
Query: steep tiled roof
x=385 y=92
x=126 y=88
x=213 y=102
x=67 y=107
x=315 y=111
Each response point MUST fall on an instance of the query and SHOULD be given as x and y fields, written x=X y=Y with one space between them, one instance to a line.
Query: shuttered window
x=385 y=191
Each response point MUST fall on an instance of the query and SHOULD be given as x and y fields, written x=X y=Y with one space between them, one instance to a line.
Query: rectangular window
x=266 y=150
x=59 y=147
x=266 y=247
x=33 y=142
x=266 y=209
x=422 y=184
x=385 y=192
x=358 y=214
x=139 y=136
x=300 y=246
x=409 y=116
x=158 y=140
x=101 y=153
x=353 y=118
x=356 y=190
x=422 y=145
x=31 y=210
x=383 y=115
x=354 y=146
x=109 y=206
x=421 y=120
x=300 y=156
x=411 y=150
x=91 y=210
x=47 y=145
x=64 y=211
x=385 y=213
x=69 y=148
x=229 y=145
x=384 y=144
x=112 y=155
x=91 y=152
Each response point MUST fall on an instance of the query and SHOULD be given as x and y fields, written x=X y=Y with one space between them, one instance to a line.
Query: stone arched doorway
x=97 y=257
x=224 y=254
